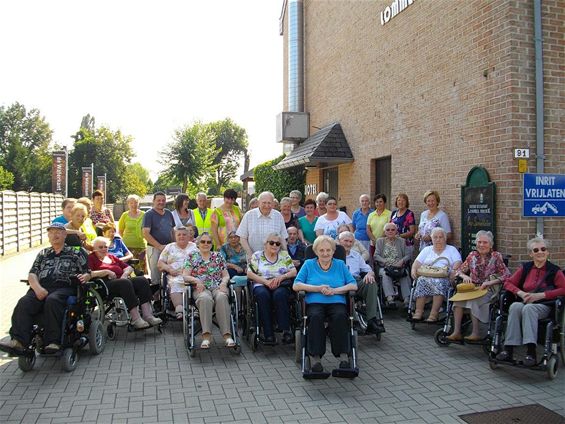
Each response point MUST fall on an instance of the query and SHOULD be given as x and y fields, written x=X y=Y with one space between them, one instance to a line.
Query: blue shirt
x=118 y=248
x=337 y=276
x=61 y=219
x=356 y=264
x=360 y=223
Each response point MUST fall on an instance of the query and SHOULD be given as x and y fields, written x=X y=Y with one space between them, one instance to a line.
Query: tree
x=189 y=159
x=25 y=142
x=109 y=151
x=6 y=179
x=279 y=182
x=136 y=180
x=231 y=144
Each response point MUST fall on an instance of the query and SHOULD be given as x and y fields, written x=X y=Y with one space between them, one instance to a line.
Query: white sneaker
x=153 y=321
x=140 y=324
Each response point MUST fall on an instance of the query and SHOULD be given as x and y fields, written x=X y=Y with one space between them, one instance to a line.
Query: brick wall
x=442 y=87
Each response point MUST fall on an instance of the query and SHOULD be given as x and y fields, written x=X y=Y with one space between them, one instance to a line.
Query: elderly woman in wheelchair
x=536 y=285
x=206 y=271
x=115 y=273
x=270 y=270
x=326 y=282
x=172 y=261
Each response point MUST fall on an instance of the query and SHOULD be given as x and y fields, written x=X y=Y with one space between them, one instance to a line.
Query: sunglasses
x=536 y=250
x=274 y=243
x=205 y=241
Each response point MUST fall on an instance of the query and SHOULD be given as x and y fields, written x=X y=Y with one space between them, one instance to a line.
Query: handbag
x=395 y=272
x=433 y=271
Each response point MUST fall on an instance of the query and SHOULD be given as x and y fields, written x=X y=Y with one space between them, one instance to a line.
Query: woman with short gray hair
x=438 y=254
x=297 y=210
x=533 y=282
x=486 y=269
x=271 y=271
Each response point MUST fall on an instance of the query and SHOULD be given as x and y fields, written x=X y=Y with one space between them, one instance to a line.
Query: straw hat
x=467 y=291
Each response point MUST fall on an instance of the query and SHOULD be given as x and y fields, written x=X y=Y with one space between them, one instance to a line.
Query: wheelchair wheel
x=253 y=342
x=493 y=365
x=561 y=346
x=111 y=331
x=552 y=367
x=26 y=363
x=70 y=359
x=298 y=346
x=96 y=339
x=360 y=315
x=440 y=337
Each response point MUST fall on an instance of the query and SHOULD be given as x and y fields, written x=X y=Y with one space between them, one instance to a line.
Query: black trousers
x=338 y=322
x=130 y=290
x=29 y=310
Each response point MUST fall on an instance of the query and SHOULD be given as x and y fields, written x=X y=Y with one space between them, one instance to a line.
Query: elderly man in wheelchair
x=50 y=288
x=535 y=285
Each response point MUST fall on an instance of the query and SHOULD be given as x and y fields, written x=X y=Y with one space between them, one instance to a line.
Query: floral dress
x=480 y=269
x=208 y=271
x=403 y=223
x=176 y=257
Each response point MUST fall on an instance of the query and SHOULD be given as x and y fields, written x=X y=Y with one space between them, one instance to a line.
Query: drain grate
x=529 y=414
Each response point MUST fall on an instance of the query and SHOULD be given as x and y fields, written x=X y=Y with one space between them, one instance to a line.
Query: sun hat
x=467 y=291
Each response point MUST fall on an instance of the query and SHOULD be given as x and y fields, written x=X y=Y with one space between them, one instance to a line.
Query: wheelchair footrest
x=345 y=372
x=312 y=375
x=17 y=352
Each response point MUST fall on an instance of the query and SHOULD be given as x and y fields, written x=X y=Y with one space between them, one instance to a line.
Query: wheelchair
x=301 y=334
x=116 y=312
x=386 y=306
x=360 y=315
x=191 y=326
x=441 y=334
x=442 y=312
x=82 y=325
x=249 y=317
x=551 y=335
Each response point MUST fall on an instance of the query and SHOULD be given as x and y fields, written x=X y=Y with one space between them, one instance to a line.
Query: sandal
x=417 y=316
x=229 y=342
x=432 y=317
x=455 y=338
x=179 y=316
x=472 y=338
x=205 y=344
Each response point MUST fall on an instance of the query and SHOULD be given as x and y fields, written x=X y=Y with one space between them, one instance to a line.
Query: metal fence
x=24 y=218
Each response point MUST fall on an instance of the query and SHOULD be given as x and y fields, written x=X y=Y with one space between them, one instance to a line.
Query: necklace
x=325 y=269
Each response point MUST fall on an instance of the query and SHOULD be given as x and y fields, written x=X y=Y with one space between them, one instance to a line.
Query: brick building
x=423 y=92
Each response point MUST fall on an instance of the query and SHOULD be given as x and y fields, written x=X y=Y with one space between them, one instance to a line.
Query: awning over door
x=327 y=146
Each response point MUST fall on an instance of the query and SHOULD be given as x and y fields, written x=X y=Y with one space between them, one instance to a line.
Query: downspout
x=538 y=43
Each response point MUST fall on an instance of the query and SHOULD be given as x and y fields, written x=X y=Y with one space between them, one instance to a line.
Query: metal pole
x=538 y=44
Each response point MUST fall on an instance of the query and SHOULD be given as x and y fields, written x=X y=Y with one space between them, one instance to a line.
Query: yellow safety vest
x=204 y=226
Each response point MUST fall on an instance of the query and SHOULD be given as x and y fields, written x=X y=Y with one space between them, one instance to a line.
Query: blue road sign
x=544 y=195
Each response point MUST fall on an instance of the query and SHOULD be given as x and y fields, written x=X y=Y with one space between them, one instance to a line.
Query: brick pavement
x=148 y=377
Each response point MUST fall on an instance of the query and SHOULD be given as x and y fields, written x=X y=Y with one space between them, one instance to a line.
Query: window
x=383 y=178
x=330 y=176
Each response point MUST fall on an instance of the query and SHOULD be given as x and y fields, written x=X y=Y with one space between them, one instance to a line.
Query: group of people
x=208 y=247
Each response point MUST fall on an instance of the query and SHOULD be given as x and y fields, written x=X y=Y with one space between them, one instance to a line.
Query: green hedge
x=279 y=182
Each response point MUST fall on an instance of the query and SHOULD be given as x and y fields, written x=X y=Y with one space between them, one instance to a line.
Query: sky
x=146 y=67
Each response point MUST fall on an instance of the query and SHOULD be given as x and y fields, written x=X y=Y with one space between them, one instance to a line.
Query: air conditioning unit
x=292 y=127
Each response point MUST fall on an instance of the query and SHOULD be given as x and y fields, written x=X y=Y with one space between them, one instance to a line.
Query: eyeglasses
x=102 y=247
x=205 y=241
x=536 y=250
x=274 y=243
x=390 y=229
x=331 y=204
